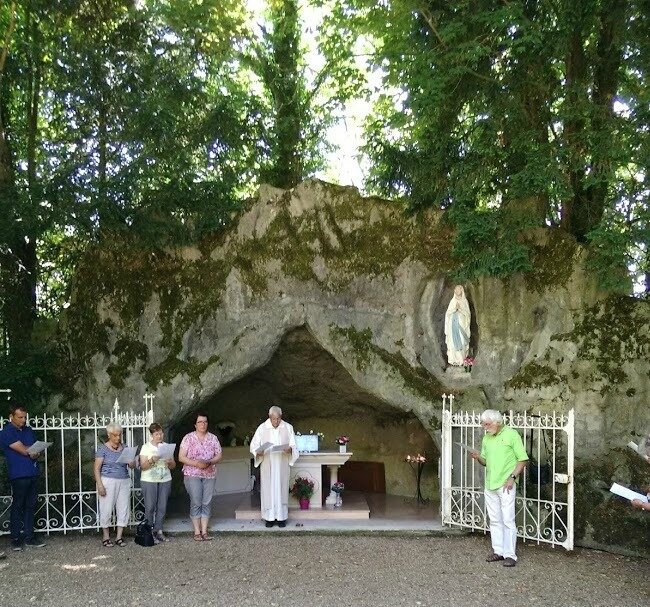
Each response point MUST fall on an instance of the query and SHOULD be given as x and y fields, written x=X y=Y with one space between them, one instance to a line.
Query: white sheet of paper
x=467 y=447
x=127 y=455
x=280 y=447
x=262 y=448
x=166 y=450
x=38 y=447
x=628 y=494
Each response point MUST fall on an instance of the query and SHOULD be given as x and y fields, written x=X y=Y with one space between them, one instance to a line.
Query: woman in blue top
x=113 y=485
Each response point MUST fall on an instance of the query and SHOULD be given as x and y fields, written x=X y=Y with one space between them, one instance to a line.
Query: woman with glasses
x=113 y=485
x=199 y=452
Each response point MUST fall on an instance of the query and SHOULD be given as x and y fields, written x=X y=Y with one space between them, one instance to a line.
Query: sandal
x=120 y=542
x=494 y=557
x=107 y=543
x=206 y=537
x=198 y=537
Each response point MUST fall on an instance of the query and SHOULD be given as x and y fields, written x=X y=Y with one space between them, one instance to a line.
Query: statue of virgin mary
x=457 y=331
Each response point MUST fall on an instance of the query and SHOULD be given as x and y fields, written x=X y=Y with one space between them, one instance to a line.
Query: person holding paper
x=113 y=485
x=641 y=505
x=156 y=481
x=504 y=458
x=15 y=440
x=275 y=462
x=199 y=452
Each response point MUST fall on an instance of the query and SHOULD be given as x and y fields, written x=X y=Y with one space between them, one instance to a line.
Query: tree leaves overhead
x=534 y=105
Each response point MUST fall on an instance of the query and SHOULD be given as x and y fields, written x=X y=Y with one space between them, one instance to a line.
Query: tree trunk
x=286 y=89
x=584 y=212
x=575 y=209
x=606 y=78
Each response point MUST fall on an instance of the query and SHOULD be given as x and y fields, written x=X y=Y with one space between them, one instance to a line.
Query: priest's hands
x=288 y=450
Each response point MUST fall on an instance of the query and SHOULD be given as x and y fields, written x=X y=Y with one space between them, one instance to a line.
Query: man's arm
x=477 y=456
x=18 y=447
x=509 y=484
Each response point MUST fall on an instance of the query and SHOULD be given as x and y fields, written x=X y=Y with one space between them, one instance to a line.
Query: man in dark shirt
x=15 y=439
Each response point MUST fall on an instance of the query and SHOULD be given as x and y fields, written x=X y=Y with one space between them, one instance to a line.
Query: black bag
x=144 y=534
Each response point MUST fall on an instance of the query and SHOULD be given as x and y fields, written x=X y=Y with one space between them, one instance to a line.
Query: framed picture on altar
x=307 y=443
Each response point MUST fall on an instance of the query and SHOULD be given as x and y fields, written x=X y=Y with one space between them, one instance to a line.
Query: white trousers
x=501 y=511
x=118 y=494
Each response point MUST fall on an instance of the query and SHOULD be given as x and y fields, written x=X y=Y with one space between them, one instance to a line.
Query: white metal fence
x=544 y=505
x=67 y=499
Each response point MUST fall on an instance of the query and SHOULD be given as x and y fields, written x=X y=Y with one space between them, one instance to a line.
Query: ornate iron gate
x=544 y=506
x=67 y=499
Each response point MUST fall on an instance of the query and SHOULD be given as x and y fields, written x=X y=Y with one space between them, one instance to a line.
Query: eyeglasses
x=202 y=421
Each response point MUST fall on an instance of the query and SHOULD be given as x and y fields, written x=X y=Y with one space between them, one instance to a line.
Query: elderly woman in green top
x=504 y=458
x=155 y=482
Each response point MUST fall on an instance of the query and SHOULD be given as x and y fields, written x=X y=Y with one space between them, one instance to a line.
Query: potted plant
x=302 y=489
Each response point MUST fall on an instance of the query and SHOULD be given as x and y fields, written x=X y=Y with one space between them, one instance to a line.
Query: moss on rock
x=417 y=380
x=609 y=333
x=534 y=375
x=552 y=262
x=128 y=352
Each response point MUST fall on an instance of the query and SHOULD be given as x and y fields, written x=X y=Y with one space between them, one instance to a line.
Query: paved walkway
x=265 y=570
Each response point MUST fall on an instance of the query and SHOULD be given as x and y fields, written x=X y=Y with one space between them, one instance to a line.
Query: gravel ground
x=314 y=571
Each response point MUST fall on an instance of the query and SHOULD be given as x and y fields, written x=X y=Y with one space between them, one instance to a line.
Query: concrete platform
x=355 y=507
x=387 y=513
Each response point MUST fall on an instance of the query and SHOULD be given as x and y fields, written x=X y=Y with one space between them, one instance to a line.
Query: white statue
x=457 y=331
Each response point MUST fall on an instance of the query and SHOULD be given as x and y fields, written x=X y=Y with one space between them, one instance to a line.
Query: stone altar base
x=354 y=507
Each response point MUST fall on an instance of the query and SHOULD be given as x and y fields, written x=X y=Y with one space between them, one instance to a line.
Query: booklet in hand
x=38 y=447
x=467 y=447
x=127 y=455
x=262 y=448
x=166 y=450
x=628 y=494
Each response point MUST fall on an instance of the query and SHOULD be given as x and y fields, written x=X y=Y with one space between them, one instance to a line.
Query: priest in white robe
x=274 y=473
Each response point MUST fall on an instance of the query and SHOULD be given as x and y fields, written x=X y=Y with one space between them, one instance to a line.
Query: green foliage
x=511 y=106
x=35 y=371
x=487 y=243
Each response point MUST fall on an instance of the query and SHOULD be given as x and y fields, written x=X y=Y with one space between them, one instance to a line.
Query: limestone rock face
x=369 y=287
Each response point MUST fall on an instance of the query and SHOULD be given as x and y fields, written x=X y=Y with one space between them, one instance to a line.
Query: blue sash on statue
x=459 y=337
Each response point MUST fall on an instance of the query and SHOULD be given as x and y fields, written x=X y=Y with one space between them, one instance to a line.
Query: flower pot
x=343 y=448
x=304 y=503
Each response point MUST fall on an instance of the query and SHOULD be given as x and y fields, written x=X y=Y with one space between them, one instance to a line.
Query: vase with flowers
x=468 y=363
x=302 y=489
x=342 y=442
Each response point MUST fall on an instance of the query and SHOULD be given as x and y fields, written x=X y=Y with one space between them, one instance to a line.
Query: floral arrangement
x=342 y=440
x=302 y=487
x=415 y=459
x=468 y=363
x=338 y=487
